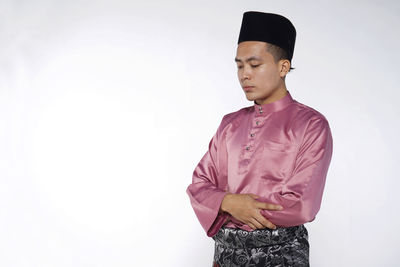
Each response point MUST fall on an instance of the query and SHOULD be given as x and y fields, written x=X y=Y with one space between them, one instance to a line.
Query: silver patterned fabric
x=286 y=246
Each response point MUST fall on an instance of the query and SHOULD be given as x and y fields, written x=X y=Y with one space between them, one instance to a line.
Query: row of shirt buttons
x=257 y=123
x=249 y=147
x=251 y=135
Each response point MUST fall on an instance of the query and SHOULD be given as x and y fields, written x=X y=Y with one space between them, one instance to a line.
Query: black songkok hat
x=268 y=27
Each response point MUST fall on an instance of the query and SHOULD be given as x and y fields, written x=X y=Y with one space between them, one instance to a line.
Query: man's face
x=260 y=77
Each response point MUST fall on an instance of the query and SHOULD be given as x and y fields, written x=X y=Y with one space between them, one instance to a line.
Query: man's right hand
x=245 y=208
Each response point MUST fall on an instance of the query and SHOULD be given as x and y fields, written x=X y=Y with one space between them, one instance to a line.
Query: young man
x=263 y=175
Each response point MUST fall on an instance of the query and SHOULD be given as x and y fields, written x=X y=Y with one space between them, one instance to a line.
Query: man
x=264 y=173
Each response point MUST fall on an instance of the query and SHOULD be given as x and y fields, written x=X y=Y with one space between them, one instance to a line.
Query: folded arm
x=301 y=196
x=207 y=191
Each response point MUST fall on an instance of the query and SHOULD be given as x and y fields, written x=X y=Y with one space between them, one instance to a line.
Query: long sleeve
x=207 y=189
x=301 y=194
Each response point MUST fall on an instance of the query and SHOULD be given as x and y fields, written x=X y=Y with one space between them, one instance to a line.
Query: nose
x=245 y=73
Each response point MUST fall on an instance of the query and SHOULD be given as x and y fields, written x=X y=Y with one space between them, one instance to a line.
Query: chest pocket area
x=276 y=161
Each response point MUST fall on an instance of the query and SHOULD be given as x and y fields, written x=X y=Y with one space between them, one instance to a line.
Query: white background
x=106 y=107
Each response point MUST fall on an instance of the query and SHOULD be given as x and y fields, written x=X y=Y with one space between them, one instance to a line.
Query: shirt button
x=247 y=147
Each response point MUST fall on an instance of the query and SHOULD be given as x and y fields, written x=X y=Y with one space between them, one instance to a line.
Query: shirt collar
x=265 y=109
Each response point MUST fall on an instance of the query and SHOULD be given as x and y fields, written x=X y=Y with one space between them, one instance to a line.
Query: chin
x=251 y=97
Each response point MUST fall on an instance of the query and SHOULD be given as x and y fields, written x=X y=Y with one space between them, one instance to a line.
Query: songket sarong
x=286 y=246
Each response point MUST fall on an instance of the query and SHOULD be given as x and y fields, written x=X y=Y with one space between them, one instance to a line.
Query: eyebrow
x=249 y=59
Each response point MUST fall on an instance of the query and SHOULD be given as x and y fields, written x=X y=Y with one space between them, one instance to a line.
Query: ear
x=284 y=67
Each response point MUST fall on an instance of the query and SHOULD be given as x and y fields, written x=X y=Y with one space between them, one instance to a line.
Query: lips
x=248 y=88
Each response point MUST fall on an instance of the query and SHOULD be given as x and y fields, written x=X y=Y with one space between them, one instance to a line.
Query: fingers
x=268 y=206
x=258 y=225
x=253 y=196
x=251 y=225
x=264 y=221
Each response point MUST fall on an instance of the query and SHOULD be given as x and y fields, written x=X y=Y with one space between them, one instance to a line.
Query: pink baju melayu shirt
x=279 y=151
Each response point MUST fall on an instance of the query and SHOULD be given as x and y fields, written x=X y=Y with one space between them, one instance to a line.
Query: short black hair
x=278 y=53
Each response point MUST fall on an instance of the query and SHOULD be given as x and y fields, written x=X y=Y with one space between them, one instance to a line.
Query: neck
x=276 y=95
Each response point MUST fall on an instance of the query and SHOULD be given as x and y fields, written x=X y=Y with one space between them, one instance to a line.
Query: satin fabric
x=279 y=151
